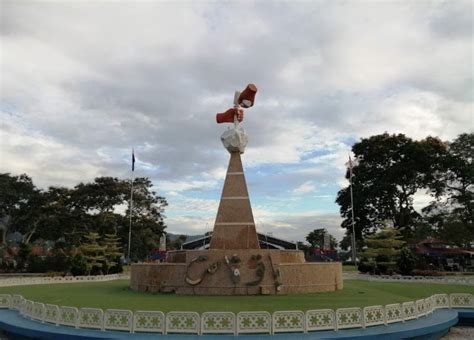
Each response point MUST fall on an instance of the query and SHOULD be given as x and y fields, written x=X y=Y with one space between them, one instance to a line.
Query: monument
x=234 y=264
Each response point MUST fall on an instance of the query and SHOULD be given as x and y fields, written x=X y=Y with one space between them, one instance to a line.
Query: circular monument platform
x=261 y=271
x=235 y=264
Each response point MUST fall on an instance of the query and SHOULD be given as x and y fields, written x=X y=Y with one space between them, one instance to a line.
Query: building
x=439 y=255
x=265 y=241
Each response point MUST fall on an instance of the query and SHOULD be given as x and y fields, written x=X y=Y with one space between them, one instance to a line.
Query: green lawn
x=116 y=294
x=349 y=268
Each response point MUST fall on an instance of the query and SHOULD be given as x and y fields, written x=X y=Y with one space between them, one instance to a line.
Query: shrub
x=118 y=268
x=419 y=272
x=366 y=267
x=23 y=254
x=385 y=268
x=406 y=262
x=37 y=264
x=54 y=274
x=58 y=263
x=8 y=265
x=78 y=265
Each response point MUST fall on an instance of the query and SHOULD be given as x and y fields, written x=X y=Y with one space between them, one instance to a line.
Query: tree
x=424 y=229
x=94 y=206
x=93 y=252
x=69 y=214
x=15 y=193
x=112 y=251
x=458 y=179
x=316 y=239
x=147 y=219
x=386 y=242
x=389 y=170
x=22 y=202
x=34 y=213
x=346 y=242
x=102 y=195
x=455 y=231
x=383 y=247
x=54 y=215
x=176 y=243
x=452 y=214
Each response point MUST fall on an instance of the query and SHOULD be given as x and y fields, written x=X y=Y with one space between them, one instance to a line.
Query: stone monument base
x=236 y=272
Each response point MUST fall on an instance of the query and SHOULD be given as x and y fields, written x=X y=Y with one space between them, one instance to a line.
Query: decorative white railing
x=254 y=322
x=183 y=322
x=230 y=323
x=218 y=323
x=24 y=281
x=393 y=313
x=90 y=318
x=349 y=318
x=51 y=314
x=118 y=319
x=374 y=315
x=288 y=321
x=148 y=321
x=68 y=316
x=320 y=320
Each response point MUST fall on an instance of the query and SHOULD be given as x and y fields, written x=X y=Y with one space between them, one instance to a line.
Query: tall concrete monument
x=235 y=227
x=235 y=264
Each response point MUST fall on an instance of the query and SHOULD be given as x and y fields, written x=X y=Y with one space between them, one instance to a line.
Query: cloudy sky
x=82 y=82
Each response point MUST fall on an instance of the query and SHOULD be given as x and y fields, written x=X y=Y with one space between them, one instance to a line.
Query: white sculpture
x=235 y=139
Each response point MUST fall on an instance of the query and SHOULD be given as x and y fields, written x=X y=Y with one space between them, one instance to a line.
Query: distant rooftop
x=266 y=242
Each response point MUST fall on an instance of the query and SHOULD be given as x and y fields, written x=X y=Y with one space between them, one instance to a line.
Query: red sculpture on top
x=244 y=99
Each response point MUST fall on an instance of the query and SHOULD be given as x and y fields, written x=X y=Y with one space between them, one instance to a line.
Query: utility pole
x=354 y=253
x=131 y=208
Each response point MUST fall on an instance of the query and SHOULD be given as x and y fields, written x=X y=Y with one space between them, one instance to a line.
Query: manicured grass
x=117 y=294
x=349 y=268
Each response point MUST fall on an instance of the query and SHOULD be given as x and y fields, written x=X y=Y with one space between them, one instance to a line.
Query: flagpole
x=131 y=208
x=354 y=255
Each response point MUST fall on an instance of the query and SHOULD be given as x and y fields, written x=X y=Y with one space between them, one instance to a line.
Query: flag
x=133 y=160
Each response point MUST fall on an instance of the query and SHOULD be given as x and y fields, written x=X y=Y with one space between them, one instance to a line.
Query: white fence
x=24 y=281
x=230 y=323
x=466 y=281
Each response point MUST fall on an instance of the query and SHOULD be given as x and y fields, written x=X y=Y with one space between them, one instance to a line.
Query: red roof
x=441 y=251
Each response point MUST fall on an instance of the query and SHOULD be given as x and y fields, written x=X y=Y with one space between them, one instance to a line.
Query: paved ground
x=457 y=333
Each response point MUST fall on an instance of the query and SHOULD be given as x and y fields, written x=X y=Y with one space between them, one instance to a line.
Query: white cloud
x=305 y=188
x=296 y=226
x=189 y=225
x=421 y=199
x=216 y=174
x=84 y=82
x=44 y=158
x=186 y=184
x=419 y=114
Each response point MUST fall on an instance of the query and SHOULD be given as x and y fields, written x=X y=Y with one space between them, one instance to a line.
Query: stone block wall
x=206 y=272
